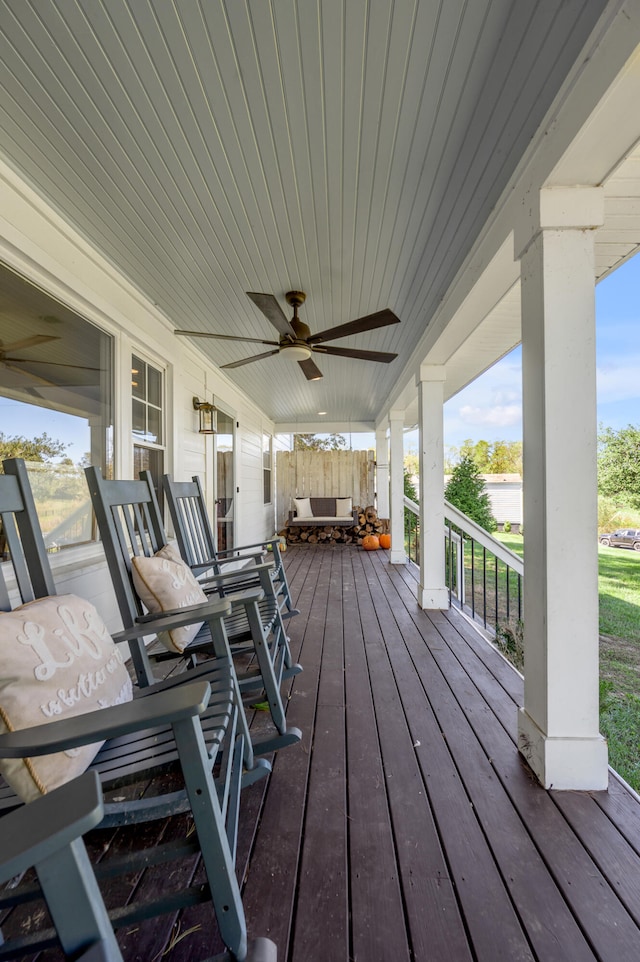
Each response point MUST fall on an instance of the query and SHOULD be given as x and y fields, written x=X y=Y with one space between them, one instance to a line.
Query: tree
x=619 y=464
x=42 y=448
x=412 y=462
x=466 y=491
x=410 y=490
x=491 y=457
x=316 y=442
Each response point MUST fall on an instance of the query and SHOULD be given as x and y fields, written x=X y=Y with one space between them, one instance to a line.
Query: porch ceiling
x=349 y=150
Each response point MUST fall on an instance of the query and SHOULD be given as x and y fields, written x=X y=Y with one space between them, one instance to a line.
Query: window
x=267 y=442
x=147 y=417
x=56 y=375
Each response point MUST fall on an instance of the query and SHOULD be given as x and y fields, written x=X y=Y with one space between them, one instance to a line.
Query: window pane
x=154 y=425
x=138 y=377
x=154 y=386
x=138 y=413
x=55 y=403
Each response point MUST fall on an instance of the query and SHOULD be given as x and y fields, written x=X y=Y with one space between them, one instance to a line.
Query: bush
x=614 y=513
x=466 y=491
x=506 y=527
x=510 y=642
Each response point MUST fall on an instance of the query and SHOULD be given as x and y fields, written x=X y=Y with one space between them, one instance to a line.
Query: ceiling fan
x=296 y=340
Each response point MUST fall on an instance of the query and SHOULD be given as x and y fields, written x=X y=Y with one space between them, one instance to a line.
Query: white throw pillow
x=344 y=507
x=58 y=661
x=164 y=583
x=303 y=507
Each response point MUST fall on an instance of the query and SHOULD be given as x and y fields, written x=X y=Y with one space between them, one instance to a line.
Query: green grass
x=620 y=724
x=619 y=593
x=619 y=587
x=512 y=541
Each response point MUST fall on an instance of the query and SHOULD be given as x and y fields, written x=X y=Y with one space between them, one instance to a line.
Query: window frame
x=267 y=468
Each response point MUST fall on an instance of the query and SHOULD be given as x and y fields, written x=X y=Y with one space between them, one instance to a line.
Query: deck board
x=406 y=826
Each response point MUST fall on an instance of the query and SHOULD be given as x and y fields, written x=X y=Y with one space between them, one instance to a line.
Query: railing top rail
x=477 y=533
x=484 y=538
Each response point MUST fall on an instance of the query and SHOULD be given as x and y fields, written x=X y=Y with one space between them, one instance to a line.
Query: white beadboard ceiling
x=351 y=149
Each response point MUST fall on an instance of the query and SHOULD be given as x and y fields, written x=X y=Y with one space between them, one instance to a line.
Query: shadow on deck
x=406 y=825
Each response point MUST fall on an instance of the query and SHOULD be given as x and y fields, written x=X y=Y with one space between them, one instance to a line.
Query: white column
x=558 y=725
x=433 y=592
x=397 y=554
x=382 y=472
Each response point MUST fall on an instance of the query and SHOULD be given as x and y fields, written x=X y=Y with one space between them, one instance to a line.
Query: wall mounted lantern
x=207 y=415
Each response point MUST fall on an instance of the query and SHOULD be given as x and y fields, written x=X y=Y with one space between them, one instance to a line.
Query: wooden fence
x=323 y=474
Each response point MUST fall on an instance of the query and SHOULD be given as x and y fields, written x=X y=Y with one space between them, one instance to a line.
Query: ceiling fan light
x=296 y=352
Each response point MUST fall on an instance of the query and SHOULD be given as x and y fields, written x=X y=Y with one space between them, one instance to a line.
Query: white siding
x=506 y=500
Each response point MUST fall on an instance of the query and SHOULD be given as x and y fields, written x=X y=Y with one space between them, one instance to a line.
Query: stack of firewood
x=319 y=534
x=368 y=523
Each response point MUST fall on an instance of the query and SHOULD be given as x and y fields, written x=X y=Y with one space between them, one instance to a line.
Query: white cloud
x=499 y=415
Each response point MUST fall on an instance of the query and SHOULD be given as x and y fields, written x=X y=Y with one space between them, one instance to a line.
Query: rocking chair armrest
x=157 y=708
x=216 y=562
x=238 y=573
x=255 y=544
x=242 y=596
x=35 y=831
x=265 y=545
x=175 y=618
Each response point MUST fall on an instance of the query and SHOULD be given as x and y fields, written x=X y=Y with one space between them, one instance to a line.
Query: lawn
x=619 y=591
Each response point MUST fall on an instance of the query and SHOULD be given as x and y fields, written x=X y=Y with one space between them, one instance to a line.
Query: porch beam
x=432 y=592
x=397 y=555
x=558 y=724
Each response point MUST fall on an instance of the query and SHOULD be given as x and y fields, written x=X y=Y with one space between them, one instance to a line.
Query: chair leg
x=259 y=950
x=74 y=900
x=212 y=835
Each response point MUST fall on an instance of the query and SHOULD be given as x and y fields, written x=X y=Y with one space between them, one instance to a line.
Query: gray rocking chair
x=130 y=525
x=194 y=534
x=194 y=726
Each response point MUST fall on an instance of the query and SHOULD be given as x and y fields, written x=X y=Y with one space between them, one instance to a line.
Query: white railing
x=484 y=577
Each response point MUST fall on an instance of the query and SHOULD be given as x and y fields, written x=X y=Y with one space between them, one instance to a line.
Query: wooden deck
x=406 y=825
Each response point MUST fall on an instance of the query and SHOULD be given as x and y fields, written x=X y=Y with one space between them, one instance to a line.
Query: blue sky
x=490 y=409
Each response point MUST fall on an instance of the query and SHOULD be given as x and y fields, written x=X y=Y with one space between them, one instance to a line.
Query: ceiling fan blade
x=368 y=323
x=383 y=356
x=248 y=360
x=310 y=370
x=28 y=342
x=272 y=311
x=33 y=360
x=28 y=374
x=226 y=337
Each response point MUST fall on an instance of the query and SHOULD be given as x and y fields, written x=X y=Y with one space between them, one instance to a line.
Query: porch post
x=382 y=472
x=433 y=592
x=397 y=555
x=558 y=725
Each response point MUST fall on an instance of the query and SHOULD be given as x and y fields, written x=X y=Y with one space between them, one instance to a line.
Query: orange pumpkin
x=385 y=540
x=370 y=542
